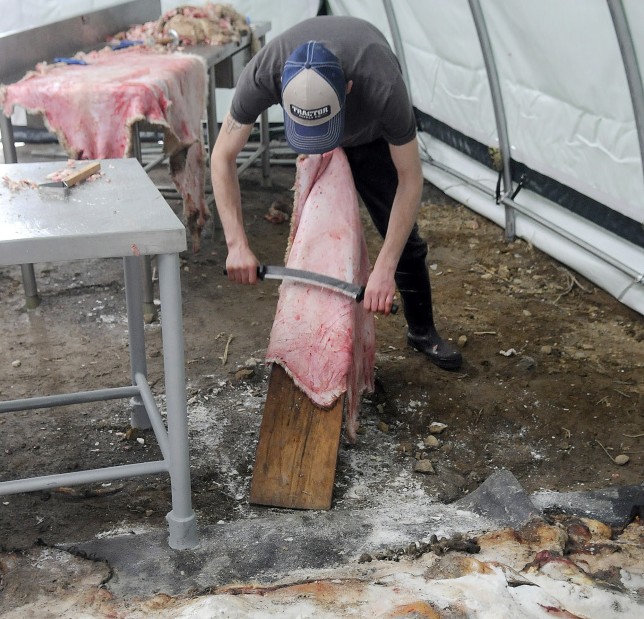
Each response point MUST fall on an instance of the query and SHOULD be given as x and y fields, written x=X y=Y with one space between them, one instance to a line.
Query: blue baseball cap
x=313 y=94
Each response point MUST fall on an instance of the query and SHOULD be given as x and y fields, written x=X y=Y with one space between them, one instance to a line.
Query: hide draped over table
x=92 y=108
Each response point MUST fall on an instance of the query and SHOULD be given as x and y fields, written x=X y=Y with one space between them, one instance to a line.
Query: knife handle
x=82 y=174
x=360 y=297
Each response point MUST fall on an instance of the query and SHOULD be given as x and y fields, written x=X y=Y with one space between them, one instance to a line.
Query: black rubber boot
x=415 y=290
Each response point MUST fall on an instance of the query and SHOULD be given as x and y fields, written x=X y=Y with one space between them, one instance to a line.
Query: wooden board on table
x=297 y=450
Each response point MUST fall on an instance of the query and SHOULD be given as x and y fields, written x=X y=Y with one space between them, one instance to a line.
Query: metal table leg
x=181 y=520
x=265 y=140
x=149 y=311
x=8 y=145
x=134 y=300
x=32 y=299
x=147 y=300
x=211 y=110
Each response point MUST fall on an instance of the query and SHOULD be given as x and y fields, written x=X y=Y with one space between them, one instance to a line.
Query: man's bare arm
x=381 y=286
x=241 y=263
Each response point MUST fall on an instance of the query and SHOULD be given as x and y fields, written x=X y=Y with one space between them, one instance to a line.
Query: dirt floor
x=551 y=386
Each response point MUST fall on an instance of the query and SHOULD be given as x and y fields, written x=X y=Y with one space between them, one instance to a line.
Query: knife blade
x=354 y=291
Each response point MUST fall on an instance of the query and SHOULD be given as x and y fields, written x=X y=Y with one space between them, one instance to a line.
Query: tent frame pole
x=397 y=41
x=631 y=66
x=499 y=115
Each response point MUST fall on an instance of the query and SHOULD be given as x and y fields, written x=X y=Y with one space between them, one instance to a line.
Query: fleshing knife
x=62 y=187
x=354 y=291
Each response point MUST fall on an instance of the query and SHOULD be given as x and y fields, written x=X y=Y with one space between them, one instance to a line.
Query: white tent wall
x=568 y=115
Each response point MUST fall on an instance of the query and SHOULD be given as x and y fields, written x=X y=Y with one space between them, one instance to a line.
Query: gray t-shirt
x=378 y=104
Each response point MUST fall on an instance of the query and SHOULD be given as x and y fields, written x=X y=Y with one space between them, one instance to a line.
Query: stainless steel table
x=121 y=214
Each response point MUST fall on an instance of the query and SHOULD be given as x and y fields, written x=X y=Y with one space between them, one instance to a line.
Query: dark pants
x=376 y=180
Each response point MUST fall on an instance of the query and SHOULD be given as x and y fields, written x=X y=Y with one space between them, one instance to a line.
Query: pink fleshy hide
x=92 y=109
x=323 y=339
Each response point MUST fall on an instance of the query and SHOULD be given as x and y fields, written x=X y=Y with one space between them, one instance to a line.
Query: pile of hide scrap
x=210 y=24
